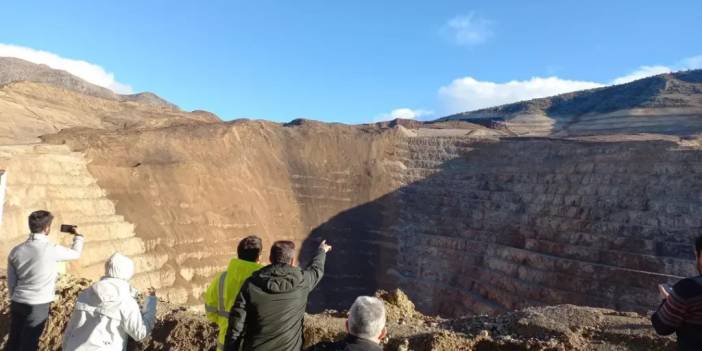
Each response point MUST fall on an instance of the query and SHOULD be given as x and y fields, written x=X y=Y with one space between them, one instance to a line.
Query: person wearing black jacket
x=269 y=310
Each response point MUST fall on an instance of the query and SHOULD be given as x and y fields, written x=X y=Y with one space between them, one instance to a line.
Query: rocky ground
x=564 y=327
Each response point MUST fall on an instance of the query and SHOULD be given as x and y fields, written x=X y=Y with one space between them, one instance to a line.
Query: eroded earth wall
x=194 y=191
x=463 y=225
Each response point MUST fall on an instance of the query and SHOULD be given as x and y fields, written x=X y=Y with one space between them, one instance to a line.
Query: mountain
x=15 y=70
x=37 y=100
x=667 y=103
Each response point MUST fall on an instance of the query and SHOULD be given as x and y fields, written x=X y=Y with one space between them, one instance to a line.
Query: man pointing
x=268 y=313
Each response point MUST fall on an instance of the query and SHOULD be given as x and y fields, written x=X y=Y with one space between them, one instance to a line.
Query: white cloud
x=468 y=30
x=404 y=113
x=468 y=93
x=694 y=62
x=87 y=71
x=642 y=72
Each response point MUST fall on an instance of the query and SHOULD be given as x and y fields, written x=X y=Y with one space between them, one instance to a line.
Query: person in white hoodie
x=107 y=312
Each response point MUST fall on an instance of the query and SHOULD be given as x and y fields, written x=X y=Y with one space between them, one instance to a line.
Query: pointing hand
x=324 y=246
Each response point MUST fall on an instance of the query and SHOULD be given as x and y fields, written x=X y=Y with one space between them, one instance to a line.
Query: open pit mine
x=589 y=198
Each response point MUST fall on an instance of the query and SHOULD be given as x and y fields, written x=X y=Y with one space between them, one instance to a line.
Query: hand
x=75 y=231
x=663 y=292
x=324 y=246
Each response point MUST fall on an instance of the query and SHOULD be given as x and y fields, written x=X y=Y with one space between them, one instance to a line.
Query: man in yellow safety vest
x=222 y=291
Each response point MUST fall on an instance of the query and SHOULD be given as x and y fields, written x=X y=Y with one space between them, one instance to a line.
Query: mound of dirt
x=398 y=306
x=564 y=327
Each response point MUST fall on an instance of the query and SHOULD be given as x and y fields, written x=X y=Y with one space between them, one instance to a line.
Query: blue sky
x=356 y=61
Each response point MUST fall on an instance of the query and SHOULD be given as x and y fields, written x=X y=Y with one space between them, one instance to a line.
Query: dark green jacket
x=269 y=310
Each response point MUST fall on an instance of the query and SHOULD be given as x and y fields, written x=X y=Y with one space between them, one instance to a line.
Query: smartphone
x=68 y=228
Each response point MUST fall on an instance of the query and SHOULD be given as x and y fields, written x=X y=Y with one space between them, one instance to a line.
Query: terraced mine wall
x=463 y=225
x=485 y=227
x=52 y=177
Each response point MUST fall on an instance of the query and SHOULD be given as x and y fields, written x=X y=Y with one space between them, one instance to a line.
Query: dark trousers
x=26 y=325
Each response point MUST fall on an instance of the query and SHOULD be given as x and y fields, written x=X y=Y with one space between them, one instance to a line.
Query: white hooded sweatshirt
x=106 y=312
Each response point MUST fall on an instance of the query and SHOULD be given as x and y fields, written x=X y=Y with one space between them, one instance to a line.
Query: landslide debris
x=564 y=327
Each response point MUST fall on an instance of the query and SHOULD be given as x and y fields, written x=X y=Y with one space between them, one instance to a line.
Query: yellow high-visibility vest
x=222 y=292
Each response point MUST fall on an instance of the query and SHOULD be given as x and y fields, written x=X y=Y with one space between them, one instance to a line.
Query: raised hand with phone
x=70 y=229
x=664 y=290
x=31 y=278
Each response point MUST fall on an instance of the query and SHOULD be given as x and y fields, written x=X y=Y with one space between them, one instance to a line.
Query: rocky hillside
x=548 y=328
x=37 y=100
x=17 y=70
x=29 y=109
x=669 y=103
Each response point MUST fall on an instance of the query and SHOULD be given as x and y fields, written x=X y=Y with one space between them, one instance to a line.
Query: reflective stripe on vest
x=222 y=310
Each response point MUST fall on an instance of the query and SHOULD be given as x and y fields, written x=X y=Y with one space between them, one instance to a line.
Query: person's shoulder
x=19 y=247
x=247 y=284
x=215 y=279
x=13 y=251
x=688 y=288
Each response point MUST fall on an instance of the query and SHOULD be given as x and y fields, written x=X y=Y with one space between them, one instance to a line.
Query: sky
x=353 y=61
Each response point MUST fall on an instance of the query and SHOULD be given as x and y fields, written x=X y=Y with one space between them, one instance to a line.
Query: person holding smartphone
x=681 y=309
x=31 y=278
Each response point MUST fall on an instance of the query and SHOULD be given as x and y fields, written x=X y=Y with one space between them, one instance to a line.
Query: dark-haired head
x=698 y=246
x=40 y=221
x=250 y=248
x=282 y=252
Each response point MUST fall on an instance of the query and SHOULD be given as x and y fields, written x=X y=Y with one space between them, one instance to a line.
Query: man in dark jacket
x=681 y=310
x=366 y=327
x=269 y=311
